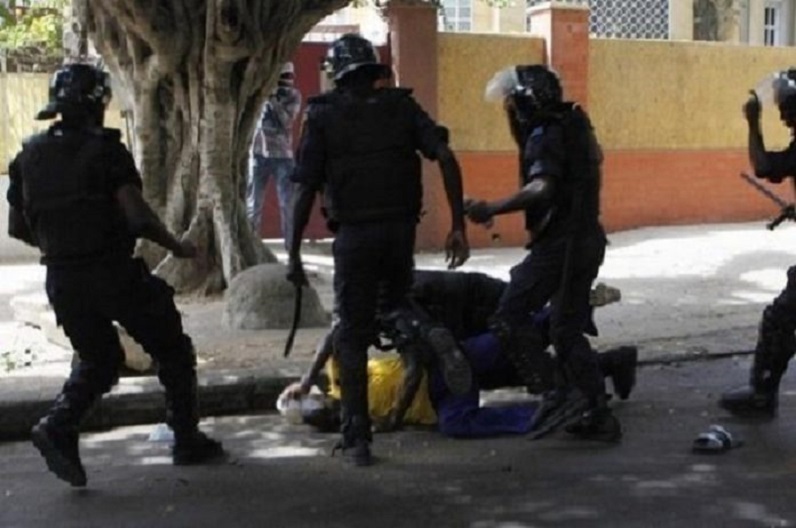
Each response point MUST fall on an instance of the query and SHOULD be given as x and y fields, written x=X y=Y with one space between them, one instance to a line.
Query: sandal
x=716 y=440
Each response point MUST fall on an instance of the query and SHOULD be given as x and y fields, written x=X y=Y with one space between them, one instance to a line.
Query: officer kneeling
x=75 y=194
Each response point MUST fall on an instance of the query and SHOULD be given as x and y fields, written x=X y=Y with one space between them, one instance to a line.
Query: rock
x=35 y=310
x=259 y=298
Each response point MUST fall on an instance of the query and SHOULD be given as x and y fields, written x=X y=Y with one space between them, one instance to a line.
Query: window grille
x=627 y=19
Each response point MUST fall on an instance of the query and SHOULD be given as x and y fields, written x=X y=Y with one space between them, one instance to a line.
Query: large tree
x=198 y=72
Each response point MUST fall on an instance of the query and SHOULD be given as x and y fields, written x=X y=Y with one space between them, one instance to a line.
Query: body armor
x=72 y=217
x=373 y=169
x=576 y=179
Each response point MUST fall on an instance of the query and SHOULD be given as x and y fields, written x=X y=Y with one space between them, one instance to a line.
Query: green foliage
x=41 y=26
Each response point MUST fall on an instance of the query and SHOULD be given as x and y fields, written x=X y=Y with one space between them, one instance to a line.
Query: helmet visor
x=775 y=88
x=501 y=85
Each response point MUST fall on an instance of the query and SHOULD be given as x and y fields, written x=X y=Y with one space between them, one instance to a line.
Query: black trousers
x=87 y=300
x=776 y=343
x=373 y=264
x=538 y=279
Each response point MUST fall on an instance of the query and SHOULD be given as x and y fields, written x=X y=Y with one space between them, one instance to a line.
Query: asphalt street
x=283 y=476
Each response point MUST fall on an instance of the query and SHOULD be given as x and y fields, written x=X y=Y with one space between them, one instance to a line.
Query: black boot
x=749 y=402
x=775 y=347
x=355 y=444
x=59 y=447
x=455 y=368
x=56 y=435
x=620 y=365
x=195 y=447
x=597 y=423
x=191 y=446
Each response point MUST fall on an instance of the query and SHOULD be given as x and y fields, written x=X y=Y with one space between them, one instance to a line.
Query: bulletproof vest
x=372 y=167
x=576 y=199
x=72 y=216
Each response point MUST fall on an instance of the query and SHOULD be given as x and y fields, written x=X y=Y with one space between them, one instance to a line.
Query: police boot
x=191 y=446
x=355 y=444
x=596 y=423
x=759 y=399
x=620 y=365
x=525 y=347
x=775 y=347
x=454 y=365
x=56 y=435
x=56 y=438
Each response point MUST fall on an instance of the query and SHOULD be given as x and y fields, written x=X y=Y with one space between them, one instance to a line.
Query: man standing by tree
x=75 y=193
x=560 y=197
x=272 y=153
x=359 y=145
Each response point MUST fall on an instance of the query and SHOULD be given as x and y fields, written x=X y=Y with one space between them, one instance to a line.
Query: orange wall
x=640 y=188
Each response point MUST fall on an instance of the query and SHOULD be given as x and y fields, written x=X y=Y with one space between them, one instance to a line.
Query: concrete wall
x=466 y=63
x=668 y=115
x=678 y=95
x=22 y=95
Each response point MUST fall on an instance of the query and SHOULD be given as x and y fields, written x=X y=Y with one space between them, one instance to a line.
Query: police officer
x=775 y=341
x=75 y=194
x=560 y=197
x=359 y=145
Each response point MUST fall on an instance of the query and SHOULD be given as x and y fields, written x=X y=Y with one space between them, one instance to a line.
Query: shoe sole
x=57 y=463
x=455 y=368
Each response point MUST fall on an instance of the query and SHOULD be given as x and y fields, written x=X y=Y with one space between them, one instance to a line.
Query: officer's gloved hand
x=457 y=249
x=752 y=108
x=295 y=272
x=186 y=250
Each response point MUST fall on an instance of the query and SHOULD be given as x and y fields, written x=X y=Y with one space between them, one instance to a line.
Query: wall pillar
x=681 y=21
x=565 y=29
x=413 y=44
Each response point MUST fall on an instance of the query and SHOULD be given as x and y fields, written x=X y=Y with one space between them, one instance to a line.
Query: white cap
x=287 y=68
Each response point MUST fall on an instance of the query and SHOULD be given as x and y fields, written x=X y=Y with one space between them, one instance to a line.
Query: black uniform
x=363 y=155
x=568 y=245
x=776 y=344
x=64 y=180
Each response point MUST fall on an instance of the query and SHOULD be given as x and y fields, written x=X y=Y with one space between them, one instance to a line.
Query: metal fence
x=625 y=19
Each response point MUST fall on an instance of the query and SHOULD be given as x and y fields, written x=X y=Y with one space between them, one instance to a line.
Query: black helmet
x=537 y=88
x=77 y=87
x=353 y=52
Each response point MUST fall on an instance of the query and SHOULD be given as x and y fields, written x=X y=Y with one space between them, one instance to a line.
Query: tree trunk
x=199 y=72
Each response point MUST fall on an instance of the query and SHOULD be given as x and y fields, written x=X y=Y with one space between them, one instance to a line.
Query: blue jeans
x=260 y=171
x=462 y=416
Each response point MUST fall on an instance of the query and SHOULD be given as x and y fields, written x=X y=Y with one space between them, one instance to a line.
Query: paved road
x=283 y=477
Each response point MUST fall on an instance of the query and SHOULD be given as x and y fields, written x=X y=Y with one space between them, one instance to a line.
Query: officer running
x=776 y=344
x=359 y=145
x=560 y=197
x=75 y=194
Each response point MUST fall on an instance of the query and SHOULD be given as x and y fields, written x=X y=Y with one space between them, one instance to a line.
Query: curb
x=140 y=401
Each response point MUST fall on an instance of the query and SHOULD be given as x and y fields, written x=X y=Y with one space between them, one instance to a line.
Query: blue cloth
x=461 y=416
x=260 y=171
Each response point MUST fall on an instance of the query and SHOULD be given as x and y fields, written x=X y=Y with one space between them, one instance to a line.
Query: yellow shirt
x=385 y=376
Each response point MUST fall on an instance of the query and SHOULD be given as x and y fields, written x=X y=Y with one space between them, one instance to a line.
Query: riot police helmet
x=77 y=88
x=538 y=88
x=353 y=52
